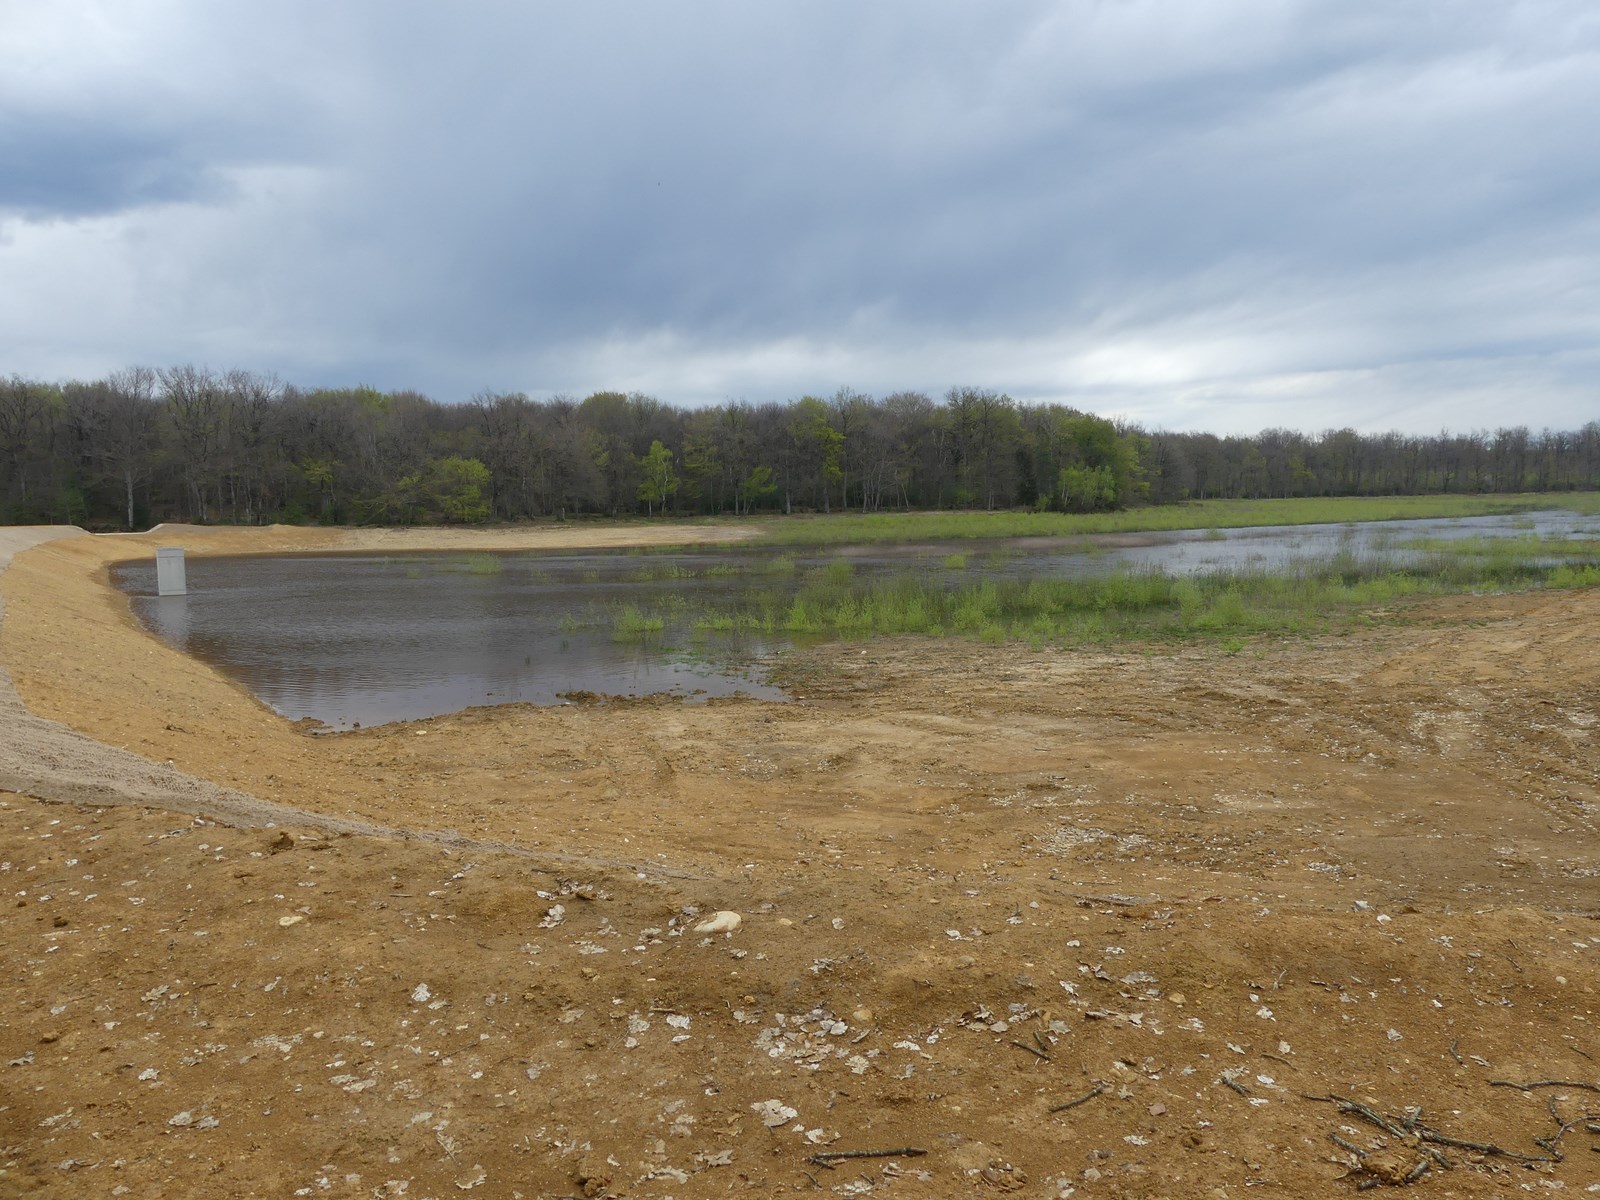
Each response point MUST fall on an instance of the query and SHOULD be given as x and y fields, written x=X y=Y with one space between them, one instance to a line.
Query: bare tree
x=24 y=425
x=196 y=409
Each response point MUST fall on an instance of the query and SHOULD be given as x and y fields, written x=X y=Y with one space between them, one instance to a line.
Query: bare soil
x=1201 y=893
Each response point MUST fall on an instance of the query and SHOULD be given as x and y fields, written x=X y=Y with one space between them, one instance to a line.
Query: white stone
x=721 y=921
x=774 y=1113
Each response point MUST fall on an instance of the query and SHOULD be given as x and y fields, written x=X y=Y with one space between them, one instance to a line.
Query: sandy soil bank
x=1200 y=889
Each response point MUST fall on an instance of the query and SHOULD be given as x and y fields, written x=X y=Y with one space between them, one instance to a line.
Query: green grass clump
x=634 y=625
x=956 y=562
x=1569 y=576
x=778 y=565
x=1520 y=547
x=660 y=573
x=838 y=571
x=484 y=564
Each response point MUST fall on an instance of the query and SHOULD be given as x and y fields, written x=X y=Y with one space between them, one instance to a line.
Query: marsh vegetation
x=1123 y=604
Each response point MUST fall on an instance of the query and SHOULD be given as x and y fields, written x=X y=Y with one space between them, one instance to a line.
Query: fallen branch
x=1097 y=1090
x=1544 y=1083
x=1120 y=901
x=1346 y=1105
x=1348 y=1145
x=831 y=1158
x=1440 y=1139
x=1228 y=1081
x=1422 y=1133
x=1553 y=1143
x=1033 y=1050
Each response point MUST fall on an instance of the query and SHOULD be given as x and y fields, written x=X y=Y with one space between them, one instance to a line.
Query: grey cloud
x=58 y=168
x=536 y=195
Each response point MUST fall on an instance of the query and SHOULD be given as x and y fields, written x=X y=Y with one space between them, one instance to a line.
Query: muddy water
x=354 y=640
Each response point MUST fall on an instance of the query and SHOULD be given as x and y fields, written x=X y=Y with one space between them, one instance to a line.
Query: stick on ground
x=1097 y=1090
x=1037 y=1053
x=829 y=1157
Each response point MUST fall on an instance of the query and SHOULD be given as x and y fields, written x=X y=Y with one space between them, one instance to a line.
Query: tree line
x=187 y=443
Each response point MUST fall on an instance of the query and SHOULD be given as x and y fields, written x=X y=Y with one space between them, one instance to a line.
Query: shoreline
x=94 y=709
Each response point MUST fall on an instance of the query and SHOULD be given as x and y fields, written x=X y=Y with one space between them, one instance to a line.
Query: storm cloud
x=1226 y=216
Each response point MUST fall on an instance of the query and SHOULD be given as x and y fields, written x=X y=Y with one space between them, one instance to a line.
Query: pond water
x=350 y=640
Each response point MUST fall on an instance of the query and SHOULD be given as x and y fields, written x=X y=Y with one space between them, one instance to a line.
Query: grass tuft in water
x=660 y=573
x=632 y=624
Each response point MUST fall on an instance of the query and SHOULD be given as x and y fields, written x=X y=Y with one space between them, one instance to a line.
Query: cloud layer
x=1225 y=216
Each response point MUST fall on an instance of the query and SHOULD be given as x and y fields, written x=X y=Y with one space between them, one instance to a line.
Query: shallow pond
x=349 y=640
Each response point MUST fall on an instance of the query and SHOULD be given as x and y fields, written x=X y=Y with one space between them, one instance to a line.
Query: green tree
x=1100 y=468
x=659 y=480
x=702 y=463
x=1086 y=489
x=454 y=486
x=984 y=430
x=818 y=445
x=322 y=474
x=755 y=488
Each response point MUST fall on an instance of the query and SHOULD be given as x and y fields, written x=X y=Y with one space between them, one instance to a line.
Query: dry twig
x=1097 y=1090
x=1348 y=1145
x=832 y=1158
x=1037 y=1053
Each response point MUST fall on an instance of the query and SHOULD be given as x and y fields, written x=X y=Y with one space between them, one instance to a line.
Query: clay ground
x=1198 y=892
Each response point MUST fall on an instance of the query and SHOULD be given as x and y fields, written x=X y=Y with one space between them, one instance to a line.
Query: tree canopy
x=185 y=442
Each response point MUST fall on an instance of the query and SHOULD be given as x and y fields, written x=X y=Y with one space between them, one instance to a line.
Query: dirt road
x=1199 y=892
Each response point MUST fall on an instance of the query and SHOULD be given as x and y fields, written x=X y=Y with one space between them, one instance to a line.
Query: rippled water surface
x=350 y=640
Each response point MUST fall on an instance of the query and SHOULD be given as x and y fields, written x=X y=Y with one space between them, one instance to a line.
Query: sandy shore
x=113 y=691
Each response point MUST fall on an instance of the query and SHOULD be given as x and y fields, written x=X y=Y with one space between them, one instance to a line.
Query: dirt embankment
x=1197 y=892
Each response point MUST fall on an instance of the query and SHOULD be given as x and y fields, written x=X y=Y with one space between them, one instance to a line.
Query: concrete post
x=169 y=572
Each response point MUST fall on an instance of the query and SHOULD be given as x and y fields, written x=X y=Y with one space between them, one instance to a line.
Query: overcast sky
x=1227 y=215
